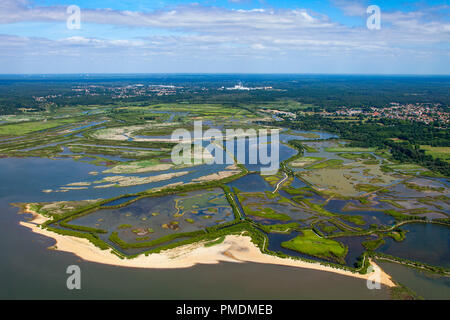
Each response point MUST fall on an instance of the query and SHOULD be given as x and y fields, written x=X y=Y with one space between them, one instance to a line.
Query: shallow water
x=30 y=271
x=118 y=201
x=424 y=284
x=276 y=239
x=371 y=217
x=428 y=243
x=191 y=212
x=251 y=183
x=37 y=174
x=355 y=248
x=92 y=124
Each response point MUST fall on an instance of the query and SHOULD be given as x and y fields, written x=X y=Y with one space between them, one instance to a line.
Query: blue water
x=322 y=136
x=428 y=286
x=92 y=124
x=37 y=174
x=371 y=217
x=119 y=201
x=275 y=240
x=355 y=248
x=428 y=243
x=251 y=183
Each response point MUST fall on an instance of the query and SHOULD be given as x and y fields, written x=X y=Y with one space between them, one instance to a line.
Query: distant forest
x=402 y=138
x=324 y=91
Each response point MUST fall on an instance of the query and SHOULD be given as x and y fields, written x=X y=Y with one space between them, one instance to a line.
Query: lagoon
x=428 y=243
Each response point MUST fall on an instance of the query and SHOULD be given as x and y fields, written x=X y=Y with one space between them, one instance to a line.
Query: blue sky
x=225 y=36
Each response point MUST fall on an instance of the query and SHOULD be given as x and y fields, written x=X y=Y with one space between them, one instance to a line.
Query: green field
x=311 y=244
x=267 y=213
x=18 y=129
x=406 y=167
x=330 y=163
x=442 y=153
x=349 y=149
x=314 y=206
x=310 y=149
x=358 y=220
x=356 y=156
x=305 y=161
x=280 y=228
x=307 y=135
x=366 y=187
x=373 y=244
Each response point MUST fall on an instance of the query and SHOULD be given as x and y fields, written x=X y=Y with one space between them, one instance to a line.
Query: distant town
x=418 y=112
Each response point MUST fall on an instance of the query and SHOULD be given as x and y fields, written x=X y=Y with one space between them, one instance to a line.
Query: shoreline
x=237 y=249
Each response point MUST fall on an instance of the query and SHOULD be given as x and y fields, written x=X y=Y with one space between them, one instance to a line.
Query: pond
x=251 y=183
x=151 y=218
x=425 y=242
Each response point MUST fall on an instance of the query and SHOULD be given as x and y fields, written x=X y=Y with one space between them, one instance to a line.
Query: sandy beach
x=235 y=248
x=217 y=176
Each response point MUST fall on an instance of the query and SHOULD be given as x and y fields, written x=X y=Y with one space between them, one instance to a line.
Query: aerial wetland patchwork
x=112 y=193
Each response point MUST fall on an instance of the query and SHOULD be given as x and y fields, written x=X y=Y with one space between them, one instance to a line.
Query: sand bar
x=234 y=248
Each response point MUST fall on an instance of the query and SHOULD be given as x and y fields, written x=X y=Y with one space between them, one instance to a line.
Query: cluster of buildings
x=129 y=91
x=420 y=112
x=240 y=87
x=279 y=113
x=138 y=90
x=162 y=90
x=45 y=98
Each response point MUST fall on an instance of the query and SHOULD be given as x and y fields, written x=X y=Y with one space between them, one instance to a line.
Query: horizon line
x=220 y=73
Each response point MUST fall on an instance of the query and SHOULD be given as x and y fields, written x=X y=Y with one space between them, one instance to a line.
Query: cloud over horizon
x=202 y=38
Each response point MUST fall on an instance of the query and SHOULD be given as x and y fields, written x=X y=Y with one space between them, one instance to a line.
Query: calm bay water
x=424 y=284
x=29 y=270
x=427 y=243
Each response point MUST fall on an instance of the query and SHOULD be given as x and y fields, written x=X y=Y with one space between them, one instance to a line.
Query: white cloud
x=202 y=32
